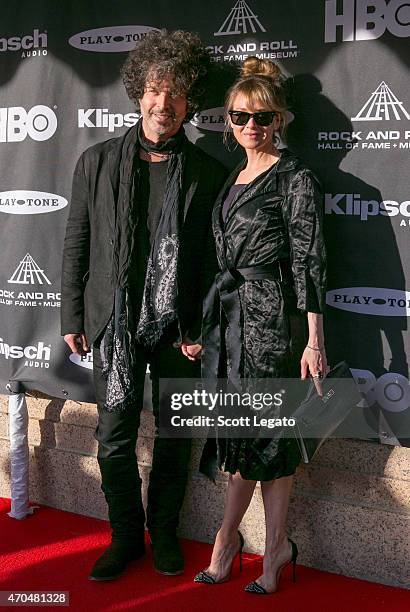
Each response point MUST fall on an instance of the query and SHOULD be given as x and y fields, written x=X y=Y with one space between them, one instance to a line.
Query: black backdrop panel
x=348 y=66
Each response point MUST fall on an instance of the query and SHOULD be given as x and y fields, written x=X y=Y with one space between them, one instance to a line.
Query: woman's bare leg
x=238 y=498
x=275 y=495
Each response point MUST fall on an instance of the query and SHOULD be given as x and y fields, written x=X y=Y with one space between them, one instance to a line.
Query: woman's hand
x=314 y=364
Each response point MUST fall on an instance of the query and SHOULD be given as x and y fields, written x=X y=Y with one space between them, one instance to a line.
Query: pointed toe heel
x=254 y=587
x=206 y=578
x=258 y=589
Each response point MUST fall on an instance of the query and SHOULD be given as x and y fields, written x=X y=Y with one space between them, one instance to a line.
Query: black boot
x=167 y=553
x=122 y=488
x=115 y=559
x=165 y=497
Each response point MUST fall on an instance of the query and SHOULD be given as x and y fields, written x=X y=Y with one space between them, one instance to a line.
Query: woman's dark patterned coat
x=271 y=254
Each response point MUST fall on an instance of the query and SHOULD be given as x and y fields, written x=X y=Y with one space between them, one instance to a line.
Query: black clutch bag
x=318 y=417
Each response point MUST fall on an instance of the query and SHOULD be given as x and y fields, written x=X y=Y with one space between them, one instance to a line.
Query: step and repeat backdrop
x=347 y=63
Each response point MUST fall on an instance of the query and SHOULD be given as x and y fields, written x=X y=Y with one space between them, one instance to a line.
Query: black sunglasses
x=263 y=118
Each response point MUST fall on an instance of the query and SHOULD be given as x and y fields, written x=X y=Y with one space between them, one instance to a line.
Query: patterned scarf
x=160 y=293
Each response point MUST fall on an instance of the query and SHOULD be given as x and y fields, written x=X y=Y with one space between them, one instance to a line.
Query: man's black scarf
x=159 y=300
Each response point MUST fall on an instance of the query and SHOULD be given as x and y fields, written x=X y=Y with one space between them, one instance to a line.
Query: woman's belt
x=223 y=294
x=230 y=279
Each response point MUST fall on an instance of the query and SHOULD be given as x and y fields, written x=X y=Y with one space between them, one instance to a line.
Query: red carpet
x=54 y=550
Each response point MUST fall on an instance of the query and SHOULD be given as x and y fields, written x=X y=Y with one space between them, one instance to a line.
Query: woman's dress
x=271 y=256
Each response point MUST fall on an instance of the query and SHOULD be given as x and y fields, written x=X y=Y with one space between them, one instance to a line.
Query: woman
x=267 y=224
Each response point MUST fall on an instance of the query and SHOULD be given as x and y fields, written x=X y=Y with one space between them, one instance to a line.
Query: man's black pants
x=117 y=435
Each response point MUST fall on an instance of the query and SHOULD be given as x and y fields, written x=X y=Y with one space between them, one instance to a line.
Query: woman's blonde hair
x=261 y=82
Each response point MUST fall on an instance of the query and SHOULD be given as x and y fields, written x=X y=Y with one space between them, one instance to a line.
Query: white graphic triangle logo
x=241 y=20
x=382 y=104
x=28 y=273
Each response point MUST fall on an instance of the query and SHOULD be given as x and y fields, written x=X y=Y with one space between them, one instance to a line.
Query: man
x=134 y=276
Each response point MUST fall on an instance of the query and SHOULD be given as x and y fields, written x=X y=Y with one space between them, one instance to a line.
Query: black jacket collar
x=267 y=182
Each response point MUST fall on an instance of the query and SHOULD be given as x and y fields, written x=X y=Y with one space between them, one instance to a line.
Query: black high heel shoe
x=258 y=589
x=207 y=578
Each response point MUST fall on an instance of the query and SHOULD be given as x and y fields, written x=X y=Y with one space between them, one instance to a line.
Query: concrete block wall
x=349 y=511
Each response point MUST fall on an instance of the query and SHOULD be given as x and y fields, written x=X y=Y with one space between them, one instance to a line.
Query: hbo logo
x=366 y=19
x=16 y=123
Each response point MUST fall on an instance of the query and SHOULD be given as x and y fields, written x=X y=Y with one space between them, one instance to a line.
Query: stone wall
x=349 y=512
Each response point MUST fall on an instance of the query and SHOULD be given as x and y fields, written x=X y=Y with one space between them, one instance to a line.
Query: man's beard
x=162 y=127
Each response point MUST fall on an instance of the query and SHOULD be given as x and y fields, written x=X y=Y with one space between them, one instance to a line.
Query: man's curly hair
x=177 y=55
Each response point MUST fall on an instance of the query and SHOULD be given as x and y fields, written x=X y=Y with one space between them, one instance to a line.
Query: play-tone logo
x=382 y=104
x=213 y=119
x=210 y=119
x=101 y=118
x=371 y=301
x=240 y=20
x=28 y=273
x=22 y=202
x=111 y=39
x=40 y=123
x=366 y=19
x=84 y=362
x=27 y=43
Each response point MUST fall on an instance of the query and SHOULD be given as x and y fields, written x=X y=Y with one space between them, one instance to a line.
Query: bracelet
x=315 y=349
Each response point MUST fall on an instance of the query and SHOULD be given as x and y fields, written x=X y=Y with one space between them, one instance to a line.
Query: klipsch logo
x=85 y=361
x=366 y=19
x=242 y=21
x=36 y=356
x=101 y=118
x=110 y=40
x=352 y=205
x=21 y=202
x=371 y=301
x=382 y=104
x=210 y=119
x=28 y=273
x=40 y=123
x=31 y=45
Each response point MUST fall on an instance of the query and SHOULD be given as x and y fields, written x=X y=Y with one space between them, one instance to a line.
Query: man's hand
x=77 y=343
x=190 y=349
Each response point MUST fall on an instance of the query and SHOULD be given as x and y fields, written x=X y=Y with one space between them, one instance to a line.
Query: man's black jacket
x=88 y=275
